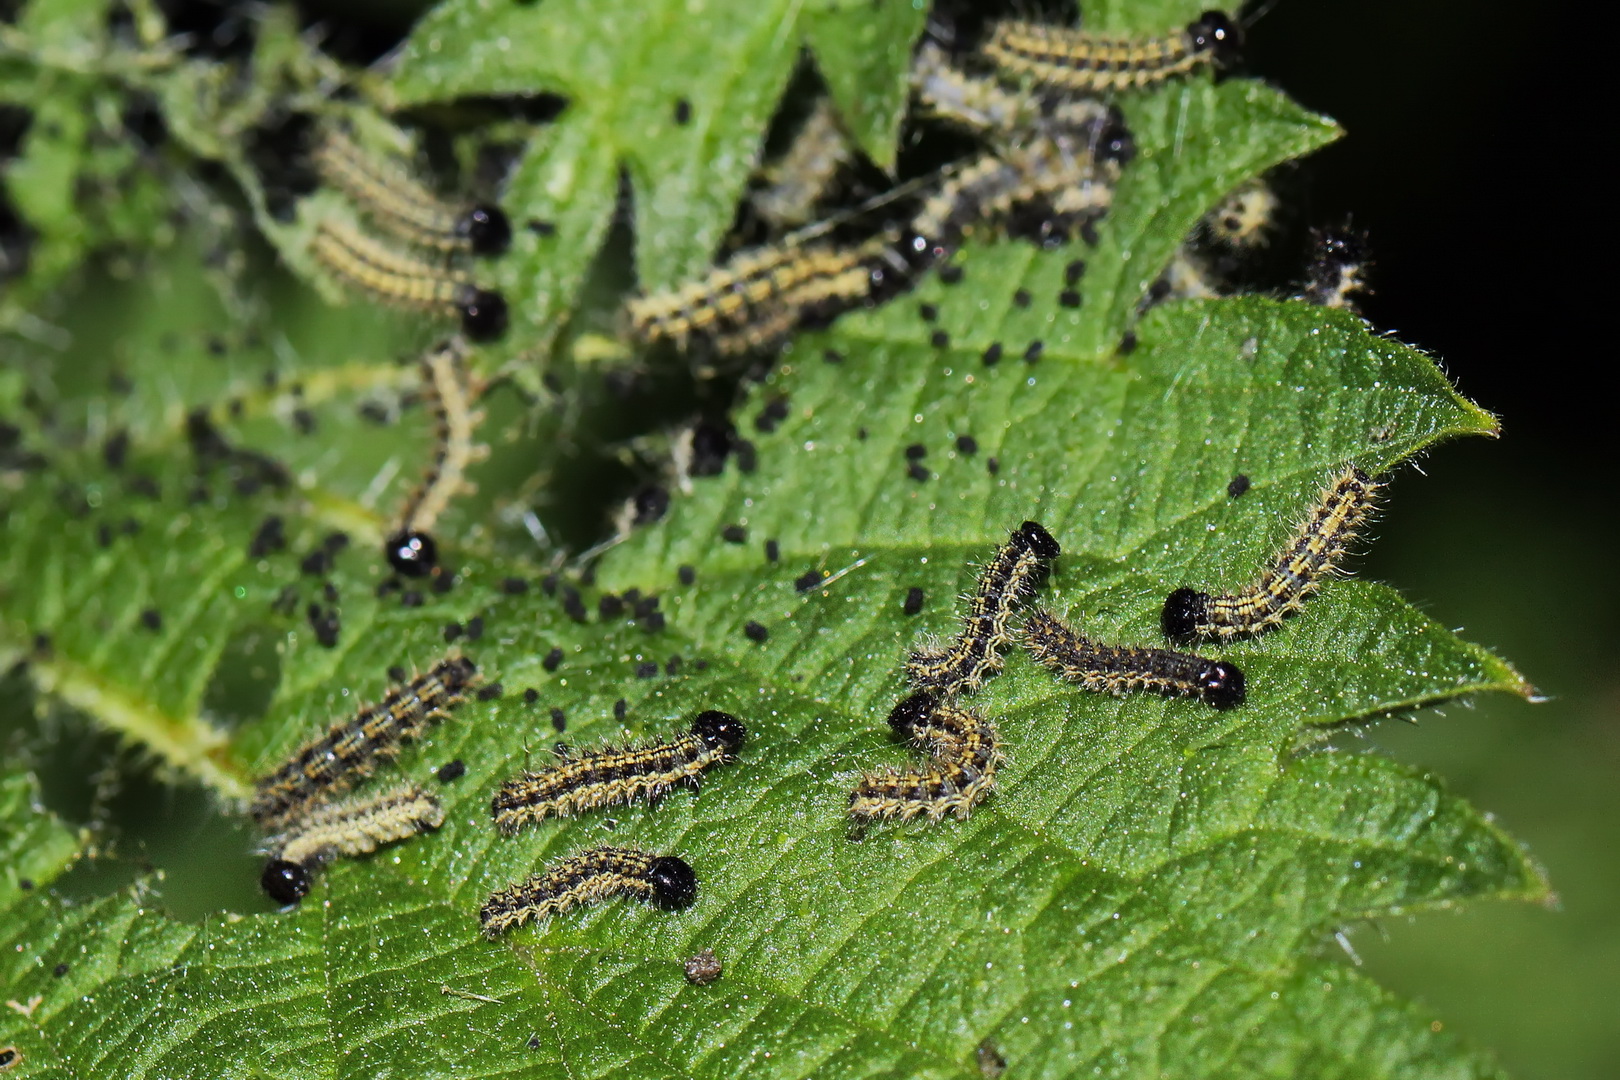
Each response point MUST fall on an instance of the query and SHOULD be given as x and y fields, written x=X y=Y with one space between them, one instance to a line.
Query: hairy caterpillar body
x=611 y=776
x=762 y=294
x=399 y=278
x=1079 y=62
x=1122 y=669
x=448 y=385
x=351 y=749
x=1056 y=179
x=351 y=827
x=1313 y=553
x=1010 y=576
x=393 y=199
x=966 y=749
x=665 y=881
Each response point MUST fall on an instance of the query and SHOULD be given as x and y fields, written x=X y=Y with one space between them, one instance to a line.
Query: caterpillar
x=1244 y=219
x=761 y=294
x=1337 y=270
x=967 y=752
x=1057 y=177
x=983 y=105
x=352 y=827
x=1011 y=575
x=939 y=727
x=397 y=202
x=1120 y=669
x=665 y=881
x=1318 y=544
x=980 y=104
x=804 y=174
x=399 y=278
x=1189 y=276
x=9 y=1056
x=350 y=749
x=1078 y=62
x=448 y=385
x=610 y=776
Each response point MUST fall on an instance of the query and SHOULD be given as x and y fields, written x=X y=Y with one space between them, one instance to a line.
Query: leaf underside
x=1154 y=887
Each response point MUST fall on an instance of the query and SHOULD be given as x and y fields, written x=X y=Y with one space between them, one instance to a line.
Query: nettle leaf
x=1154 y=887
x=625 y=70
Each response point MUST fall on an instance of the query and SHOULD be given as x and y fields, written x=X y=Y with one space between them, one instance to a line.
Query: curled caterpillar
x=665 y=881
x=1318 y=544
x=1121 y=669
x=610 y=776
x=350 y=749
x=1078 y=62
x=397 y=202
x=805 y=173
x=1338 y=268
x=1008 y=578
x=966 y=749
x=448 y=385
x=343 y=829
x=399 y=278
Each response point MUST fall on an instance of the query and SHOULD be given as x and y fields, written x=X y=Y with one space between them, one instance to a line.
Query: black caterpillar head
x=1221 y=685
x=285 y=882
x=674 y=883
x=1184 y=611
x=1216 y=33
x=720 y=731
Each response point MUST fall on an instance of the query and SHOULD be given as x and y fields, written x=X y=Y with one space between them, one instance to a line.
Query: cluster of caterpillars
x=1052 y=149
x=380 y=195
x=298 y=803
x=594 y=779
x=1037 y=99
x=965 y=748
x=1052 y=152
x=390 y=237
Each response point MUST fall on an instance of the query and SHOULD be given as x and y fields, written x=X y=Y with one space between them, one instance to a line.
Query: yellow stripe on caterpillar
x=355 y=826
x=1319 y=542
x=451 y=390
x=1078 y=62
x=1008 y=578
x=361 y=263
x=665 y=881
x=395 y=200
x=611 y=776
x=966 y=751
x=1122 y=669
x=757 y=296
x=320 y=833
x=351 y=749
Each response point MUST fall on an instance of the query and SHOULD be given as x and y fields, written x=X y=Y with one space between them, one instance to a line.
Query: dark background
x=1467 y=160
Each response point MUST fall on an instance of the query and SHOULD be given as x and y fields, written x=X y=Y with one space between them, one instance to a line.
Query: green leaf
x=623 y=75
x=36 y=847
x=1154 y=888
